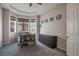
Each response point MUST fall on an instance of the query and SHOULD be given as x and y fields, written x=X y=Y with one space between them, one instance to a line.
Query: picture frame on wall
x=42 y=21
x=58 y=17
x=51 y=19
x=46 y=20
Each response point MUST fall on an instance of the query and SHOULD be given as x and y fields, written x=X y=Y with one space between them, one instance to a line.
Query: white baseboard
x=61 y=48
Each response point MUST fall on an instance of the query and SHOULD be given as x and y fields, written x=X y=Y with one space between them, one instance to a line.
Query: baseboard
x=62 y=48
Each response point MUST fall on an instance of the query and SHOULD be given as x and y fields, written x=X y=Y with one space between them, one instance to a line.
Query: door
x=78 y=30
x=72 y=29
x=0 y=27
x=69 y=29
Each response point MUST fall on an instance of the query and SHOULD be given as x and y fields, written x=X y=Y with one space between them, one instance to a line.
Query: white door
x=72 y=29
x=0 y=27
x=78 y=30
x=75 y=22
x=69 y=29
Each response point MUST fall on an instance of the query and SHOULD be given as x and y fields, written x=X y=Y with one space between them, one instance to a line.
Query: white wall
x=37 y=28
x=0 y=26
x=56 y=27
x=5 y=26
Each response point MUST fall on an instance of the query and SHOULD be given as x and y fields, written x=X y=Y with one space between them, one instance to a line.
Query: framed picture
x=42 y=21
x=51 y=18
x=46 y=20
x=58 y=17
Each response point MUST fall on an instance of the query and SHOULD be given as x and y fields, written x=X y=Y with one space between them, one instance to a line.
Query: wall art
x=58 y=17
x=51 y=18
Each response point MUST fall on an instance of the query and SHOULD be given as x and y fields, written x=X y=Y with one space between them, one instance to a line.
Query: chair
x=23 y=40
x=32 y=40
x=26 y=39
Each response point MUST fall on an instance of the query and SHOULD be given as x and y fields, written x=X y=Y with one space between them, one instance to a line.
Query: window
x=12 y=24
x=23 y=24
x=33 y=26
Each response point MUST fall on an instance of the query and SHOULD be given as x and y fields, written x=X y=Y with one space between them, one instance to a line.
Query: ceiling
x=23 y=8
